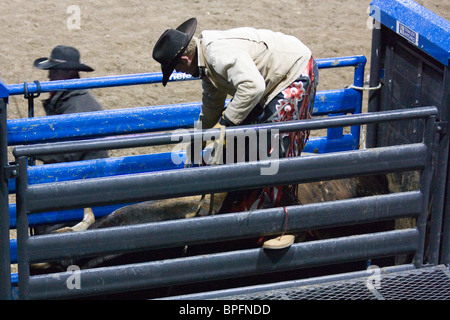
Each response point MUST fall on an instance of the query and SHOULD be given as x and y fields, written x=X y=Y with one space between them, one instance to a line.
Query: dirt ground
x=117 y=37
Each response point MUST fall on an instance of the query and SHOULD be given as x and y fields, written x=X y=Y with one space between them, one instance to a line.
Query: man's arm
x=213 y=103
x=241 y=72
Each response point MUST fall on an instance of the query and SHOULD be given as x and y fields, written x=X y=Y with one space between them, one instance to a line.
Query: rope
x=363 y=88
x=218 y=148
x=287 y=222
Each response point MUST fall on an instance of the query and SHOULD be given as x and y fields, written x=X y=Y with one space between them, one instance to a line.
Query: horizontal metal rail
x=101 y=123
x=144 y=163
x=224 y=227
x=194 y=181
x=211 y=267
x=350 y=61
x=94 y=83
x=146 y=78
x=88 y=169
x=153 y=139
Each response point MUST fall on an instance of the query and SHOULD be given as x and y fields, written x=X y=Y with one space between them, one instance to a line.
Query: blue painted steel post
x=334 y=135
x=5 y=264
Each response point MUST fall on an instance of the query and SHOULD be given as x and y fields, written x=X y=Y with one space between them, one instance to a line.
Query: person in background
x=64 y=64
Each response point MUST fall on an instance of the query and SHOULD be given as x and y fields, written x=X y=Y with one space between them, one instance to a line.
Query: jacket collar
x=201 y=58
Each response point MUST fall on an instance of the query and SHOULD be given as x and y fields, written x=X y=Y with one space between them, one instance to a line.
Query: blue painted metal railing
x=148 y=119
x=143 y=119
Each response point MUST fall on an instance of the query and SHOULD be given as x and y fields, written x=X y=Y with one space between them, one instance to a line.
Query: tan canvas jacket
x=250 y=65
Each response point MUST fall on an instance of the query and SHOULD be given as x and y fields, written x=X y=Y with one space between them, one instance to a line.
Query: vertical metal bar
x=22 y=228
x=445 y=252
x=5 y=262
x=437 y=200
x=32 y=161
x=425 y=183
x=31 y=107
x=30 y=97
x=374 y=96
x=358 y=81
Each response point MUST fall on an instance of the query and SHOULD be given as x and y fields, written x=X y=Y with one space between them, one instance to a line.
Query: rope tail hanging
x=215 y=160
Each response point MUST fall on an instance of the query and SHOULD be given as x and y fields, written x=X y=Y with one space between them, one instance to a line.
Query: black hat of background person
x=62 y=58
x=171 y=46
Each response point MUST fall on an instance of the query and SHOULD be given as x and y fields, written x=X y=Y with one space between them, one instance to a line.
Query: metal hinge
x=442 y=127
x=11 y=171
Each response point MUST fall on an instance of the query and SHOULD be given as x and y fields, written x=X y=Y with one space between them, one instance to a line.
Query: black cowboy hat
x=171 y=46
x=62 y=58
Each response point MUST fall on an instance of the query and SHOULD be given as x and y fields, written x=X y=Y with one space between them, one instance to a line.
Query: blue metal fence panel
x=143 y=119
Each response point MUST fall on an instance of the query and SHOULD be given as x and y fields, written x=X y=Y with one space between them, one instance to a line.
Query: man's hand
x=224 y=121
x=219 y=145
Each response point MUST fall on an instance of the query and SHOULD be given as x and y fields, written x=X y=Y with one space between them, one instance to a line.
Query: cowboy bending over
x=270 y=76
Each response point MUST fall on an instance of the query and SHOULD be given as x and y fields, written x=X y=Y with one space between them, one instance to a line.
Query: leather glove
x=224 y=121
x=219 y=145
